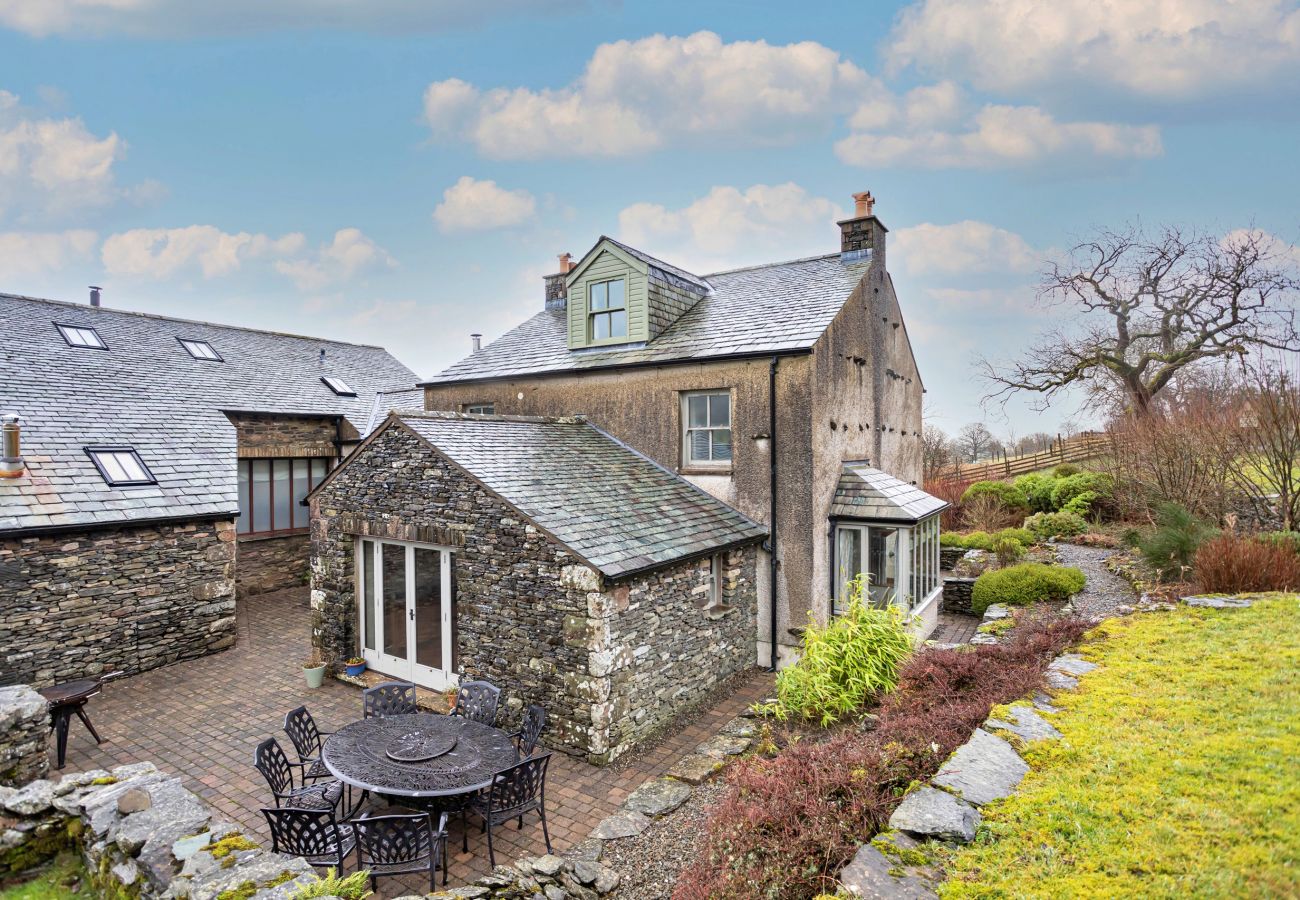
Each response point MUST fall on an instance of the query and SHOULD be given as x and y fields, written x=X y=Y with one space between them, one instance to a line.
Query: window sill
x=270 y=535
x=705 y=470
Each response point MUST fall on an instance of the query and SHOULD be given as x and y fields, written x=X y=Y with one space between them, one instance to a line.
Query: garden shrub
x=1056 y=524
x=1065 y=470
x=1008 y=550
x=1007 y=494
x=1288 y=539
x=1023 y=535
x=1095 y=539
x=843 y=666
x=1169 y=548
x=1233 y=564
x=951 y=539
x=985 y=512
x=1037 y=490
x=1078 y=493
x=786 y=825
x=1025 y=584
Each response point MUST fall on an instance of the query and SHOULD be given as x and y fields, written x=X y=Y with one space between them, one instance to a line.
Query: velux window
x=81 y=336
x=706 y=429
x=201 y=350
x=338 y=386
x=480 y=409
x=607 y=309
x=271 y=492
x=120 y=466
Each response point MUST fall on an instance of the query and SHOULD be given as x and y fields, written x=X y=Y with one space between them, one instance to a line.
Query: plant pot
x=315 y=676
x=356 y=670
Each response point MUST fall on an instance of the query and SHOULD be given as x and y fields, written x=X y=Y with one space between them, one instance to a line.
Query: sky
x=404 y=173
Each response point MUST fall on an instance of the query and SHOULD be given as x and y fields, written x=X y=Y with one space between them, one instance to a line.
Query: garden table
x=424 y=756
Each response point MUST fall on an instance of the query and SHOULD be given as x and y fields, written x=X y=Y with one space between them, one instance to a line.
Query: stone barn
x=540 y=554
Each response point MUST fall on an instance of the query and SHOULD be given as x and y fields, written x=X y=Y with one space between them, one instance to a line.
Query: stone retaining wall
x=24 y=735
x=948 y=557
x=78 y=605
x=957 y=594
x=272 y=564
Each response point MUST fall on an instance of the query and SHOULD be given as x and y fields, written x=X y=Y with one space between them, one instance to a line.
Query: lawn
x=63 y=878
x=1176 y=775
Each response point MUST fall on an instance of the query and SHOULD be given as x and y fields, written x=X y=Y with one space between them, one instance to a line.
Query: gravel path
x=1105 y=590
x=650 y=862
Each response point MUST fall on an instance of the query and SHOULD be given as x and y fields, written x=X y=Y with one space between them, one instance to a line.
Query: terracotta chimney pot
x=566 y=263
x=862 y=204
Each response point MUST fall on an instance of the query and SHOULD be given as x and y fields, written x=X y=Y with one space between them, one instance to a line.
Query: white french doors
x=405 y=594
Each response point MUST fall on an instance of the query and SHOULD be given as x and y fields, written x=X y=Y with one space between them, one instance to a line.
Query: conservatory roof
x=867 y=493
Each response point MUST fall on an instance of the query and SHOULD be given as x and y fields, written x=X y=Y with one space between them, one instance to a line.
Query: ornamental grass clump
x=845 y=665
x=1026 y=584
x=1233 y=564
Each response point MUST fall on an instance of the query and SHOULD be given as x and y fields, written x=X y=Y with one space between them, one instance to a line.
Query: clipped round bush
x=1056 y=524
x=1077 y=493
x=1007 y=494
x=1024 y=584
x=1023 y=535
x=951 y=539
x=1065 y=470
x=845 y=665
x=1037 y=490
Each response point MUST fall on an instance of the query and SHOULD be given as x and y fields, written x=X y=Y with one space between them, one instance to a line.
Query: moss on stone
x=104 y=779
x=229 y=844
x=997 y=626
x=906 y=856
x=241 y=891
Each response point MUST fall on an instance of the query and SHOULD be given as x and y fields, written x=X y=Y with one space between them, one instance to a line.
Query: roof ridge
x=451 y=416
x=663 y=264
x=145 y=315
x=772 y=265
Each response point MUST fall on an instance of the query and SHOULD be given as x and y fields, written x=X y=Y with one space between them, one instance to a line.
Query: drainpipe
x=338 y=437
x=771 y=490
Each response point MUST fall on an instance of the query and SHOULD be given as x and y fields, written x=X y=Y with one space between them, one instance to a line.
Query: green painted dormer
x=619 y=295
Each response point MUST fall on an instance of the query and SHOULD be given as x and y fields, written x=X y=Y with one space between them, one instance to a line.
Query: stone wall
x=24 y=735
x=77 y=605
x=265 y=434
x=530 y=617
x=272 y=563
x=957 y=594
x=948 y=557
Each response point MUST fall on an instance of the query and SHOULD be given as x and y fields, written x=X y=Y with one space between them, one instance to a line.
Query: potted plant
x=354 y=666
x=313 y=669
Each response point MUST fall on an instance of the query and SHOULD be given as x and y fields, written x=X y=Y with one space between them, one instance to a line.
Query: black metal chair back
x=302 y=731
x=400 y=844
x=392 y=698
x=516 y=790
x=313 y=834
x=477 y=701
x=529 y=730
x=275 y=767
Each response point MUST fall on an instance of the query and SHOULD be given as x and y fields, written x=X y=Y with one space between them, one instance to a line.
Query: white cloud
x=347 y=255
x=26 y=254
x=997 y=136
x=1166 y=49
x=50 y=168
x=961 y=248
x=635 y=96
x=163 y=18
x=729 y=227
x=473 y=205
x=164 y=252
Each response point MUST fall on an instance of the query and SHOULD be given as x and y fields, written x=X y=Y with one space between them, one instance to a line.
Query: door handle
x=412 y=612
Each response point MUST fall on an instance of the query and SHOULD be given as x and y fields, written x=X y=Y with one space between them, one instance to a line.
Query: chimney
x=11 y=453
x=557 y=292
x=477 y=340
x=94 y=295
x=863 y=236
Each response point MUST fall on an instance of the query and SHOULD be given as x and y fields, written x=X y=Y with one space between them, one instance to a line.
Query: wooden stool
x=67 y=700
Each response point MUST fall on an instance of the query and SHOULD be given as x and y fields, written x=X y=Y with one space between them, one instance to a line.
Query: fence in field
x=1080 y=447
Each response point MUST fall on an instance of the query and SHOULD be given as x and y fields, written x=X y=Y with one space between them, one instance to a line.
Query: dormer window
x=120 y=466
x=81 y=336
x=338 y=386
x=201 y=350
x=607 y=310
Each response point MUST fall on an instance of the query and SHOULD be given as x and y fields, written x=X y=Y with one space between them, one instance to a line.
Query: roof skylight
x=81 y=336
x=201 y=350
x=120 y=466
x=338 y=386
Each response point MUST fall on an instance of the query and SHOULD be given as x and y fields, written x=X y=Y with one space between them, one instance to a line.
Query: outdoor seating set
x=425 y=766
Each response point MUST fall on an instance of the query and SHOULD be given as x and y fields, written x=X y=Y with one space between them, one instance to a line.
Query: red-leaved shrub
x=950 y=489
x=787 y=824
x=1232 y=564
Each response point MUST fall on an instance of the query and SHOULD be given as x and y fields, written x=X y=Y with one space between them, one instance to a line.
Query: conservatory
x=887 y=530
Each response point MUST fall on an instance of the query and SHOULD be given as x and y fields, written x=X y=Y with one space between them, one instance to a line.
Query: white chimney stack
x=477 y=340
x=11 y=451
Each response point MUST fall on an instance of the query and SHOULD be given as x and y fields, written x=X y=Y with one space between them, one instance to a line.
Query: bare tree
x=974 y=440
x=1035 y=443
x=937 y=455
x=1266 y=442
x=1144 y=310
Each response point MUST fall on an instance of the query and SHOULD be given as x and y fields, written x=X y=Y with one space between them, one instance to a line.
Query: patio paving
x=202 y=719
x=955 y=628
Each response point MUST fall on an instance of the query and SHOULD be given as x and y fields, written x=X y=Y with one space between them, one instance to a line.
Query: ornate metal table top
x=422 y=755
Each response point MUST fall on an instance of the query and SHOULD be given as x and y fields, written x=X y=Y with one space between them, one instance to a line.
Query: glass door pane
x=393 y=600
x=848 y=562
x=367 y=593
x=883 y=560
x=428 y=607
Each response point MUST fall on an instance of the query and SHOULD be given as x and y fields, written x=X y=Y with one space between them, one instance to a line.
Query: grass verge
x=1176 y=773
x=62 y=878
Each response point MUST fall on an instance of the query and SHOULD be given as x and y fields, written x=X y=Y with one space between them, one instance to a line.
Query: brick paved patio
x=955 y=628
x=202 y=719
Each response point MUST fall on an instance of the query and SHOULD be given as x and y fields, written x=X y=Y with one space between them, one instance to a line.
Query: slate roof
x=390 y=401
x=614 y=507
x=780 y=307
x=147 y=392
x=867 y=493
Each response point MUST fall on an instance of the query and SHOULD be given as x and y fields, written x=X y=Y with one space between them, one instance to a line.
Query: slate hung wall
x=609 y=662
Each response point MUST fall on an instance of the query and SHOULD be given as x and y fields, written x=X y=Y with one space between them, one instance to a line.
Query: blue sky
x=404 y=173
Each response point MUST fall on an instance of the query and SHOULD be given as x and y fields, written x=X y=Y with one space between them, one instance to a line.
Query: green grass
x=1176 y=775
x=63 y=878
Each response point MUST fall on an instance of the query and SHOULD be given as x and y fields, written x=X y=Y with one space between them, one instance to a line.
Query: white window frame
x=118 y=466
x=480 y=409
x=916 y=563
x=83 y=337
x=200 y=350
x=338 y=385
x=689 y=462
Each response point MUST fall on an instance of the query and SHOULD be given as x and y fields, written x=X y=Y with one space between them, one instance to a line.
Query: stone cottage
x=159 y=463
x=541 y=554
x=770 y=387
